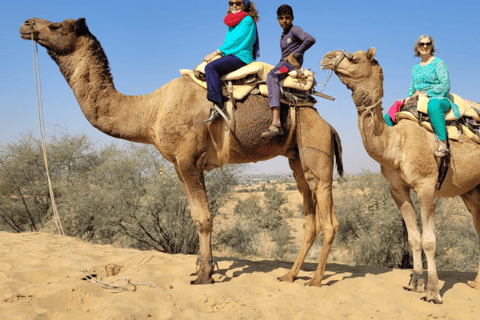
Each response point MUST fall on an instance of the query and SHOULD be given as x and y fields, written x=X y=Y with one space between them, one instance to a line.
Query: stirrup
x=271 y=133
x=212 y=115
x=441 y=152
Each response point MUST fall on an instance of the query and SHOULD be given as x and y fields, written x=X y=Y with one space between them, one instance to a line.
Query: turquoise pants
x=436 y=111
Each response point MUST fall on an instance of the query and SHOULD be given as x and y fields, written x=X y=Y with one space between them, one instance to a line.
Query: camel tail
x=338 y=152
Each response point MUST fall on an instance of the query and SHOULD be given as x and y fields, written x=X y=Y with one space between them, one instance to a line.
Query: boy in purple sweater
x=293 y=43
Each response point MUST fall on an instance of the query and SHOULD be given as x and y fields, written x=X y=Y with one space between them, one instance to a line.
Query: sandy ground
x=37 y=281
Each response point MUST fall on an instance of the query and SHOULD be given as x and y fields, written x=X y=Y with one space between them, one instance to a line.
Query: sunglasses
x=235 y=3
x=424 y=44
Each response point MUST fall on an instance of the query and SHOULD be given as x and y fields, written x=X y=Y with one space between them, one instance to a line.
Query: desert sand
x=37 y=281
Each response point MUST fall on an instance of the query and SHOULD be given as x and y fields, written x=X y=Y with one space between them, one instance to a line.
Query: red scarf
x=232 y=19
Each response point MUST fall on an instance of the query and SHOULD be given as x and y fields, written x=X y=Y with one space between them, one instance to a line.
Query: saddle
x=468 y=123
x=251 y=79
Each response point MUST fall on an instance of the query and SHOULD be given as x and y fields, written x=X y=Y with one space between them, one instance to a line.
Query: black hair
x=284 y=9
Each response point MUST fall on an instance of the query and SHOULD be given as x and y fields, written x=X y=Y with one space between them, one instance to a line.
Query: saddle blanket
x=468 y=119
x=256 y=75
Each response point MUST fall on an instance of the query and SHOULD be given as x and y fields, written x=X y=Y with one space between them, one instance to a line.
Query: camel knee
x=329 y=232
x=429 y=247
x=203 y=226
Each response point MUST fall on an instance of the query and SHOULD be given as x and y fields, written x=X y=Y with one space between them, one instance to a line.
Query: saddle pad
x=453 y=132
x=302 y=79
x=464 y=106
x=264 y=92
x=239 y=92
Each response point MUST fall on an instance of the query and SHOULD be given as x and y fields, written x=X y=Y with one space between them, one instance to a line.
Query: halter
x=344 y=54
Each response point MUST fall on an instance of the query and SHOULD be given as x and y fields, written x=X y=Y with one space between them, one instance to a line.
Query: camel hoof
x=312 y=283
x=285 y=279
x=434 y=301
x=202 y=280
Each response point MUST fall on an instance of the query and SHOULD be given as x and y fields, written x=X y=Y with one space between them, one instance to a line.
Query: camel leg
x=401 y=196
x=472 y=201
x=427 y=198
x=193 y=183
x=329 y=224
x=311 y=228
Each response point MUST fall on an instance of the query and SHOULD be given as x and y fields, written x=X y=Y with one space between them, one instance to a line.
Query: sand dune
x=37 y=281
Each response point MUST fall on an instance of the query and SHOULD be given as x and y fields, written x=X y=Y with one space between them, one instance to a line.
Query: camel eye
x=53 y=27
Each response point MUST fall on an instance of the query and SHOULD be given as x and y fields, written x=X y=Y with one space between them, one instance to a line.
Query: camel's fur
x=171 y=118
x=405 y=153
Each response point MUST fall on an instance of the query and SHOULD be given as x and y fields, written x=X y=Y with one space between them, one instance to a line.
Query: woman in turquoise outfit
x=430 y=78
x=241 y=46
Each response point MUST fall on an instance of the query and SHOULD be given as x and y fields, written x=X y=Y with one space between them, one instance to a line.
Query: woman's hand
x=419 y=94
x=292 y=60
x=210 y=56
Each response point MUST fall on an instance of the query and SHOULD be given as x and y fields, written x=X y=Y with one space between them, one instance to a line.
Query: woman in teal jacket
x=241 y=46
x=430 y=78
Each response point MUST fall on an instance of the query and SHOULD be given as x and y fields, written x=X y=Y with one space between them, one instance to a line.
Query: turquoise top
x=433 y=79
x=240 y=40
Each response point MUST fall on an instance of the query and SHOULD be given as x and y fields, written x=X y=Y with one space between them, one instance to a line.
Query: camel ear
x=81 y=26
x=371 y=53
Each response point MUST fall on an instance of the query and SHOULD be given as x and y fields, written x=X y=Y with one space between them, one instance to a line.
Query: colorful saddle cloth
x=252 y=79
x=467 y=123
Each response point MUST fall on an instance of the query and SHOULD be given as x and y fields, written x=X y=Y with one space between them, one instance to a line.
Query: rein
x=344 y=54
x=110 y=286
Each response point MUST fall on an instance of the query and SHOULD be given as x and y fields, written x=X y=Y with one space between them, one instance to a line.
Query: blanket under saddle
x=255 y=76
x=467 y=123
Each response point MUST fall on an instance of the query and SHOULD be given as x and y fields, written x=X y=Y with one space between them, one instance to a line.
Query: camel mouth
x=26 y=35
x=326 y=66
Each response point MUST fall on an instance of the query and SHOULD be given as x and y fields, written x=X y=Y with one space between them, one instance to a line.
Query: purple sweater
x=297 y=41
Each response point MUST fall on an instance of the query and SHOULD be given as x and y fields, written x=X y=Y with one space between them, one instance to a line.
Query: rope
x=329 y=75
x=368 y=110
x=110 y=286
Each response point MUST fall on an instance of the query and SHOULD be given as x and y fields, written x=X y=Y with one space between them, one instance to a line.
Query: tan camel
x=171 y=119
x=405 y=154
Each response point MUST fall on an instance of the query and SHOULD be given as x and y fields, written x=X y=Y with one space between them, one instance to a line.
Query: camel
x=171 y=119
x=405 y=155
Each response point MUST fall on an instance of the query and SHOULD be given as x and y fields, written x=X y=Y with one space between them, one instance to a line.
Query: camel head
x=359 y=71
x=353 y=66
x=57 y=37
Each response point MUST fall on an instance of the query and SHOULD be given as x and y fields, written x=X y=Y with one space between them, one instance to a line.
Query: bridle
x=344 y=54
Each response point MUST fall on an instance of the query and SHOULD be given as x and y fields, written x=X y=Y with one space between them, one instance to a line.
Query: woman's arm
x=412 y=88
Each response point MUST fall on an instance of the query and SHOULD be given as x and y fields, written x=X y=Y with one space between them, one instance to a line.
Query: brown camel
x=171 y=119
x=405 y=154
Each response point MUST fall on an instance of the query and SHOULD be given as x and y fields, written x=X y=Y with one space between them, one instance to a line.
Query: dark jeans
x=273 y=84
x=216 y=69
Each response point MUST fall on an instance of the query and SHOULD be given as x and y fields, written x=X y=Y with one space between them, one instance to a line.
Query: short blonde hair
x=415 y=47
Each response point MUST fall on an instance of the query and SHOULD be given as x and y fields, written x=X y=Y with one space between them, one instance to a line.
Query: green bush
x=127 y=196
x=372 y=228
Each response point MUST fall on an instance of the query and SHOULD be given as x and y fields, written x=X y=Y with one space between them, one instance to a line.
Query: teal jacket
x=434 y=80
x=240 y=40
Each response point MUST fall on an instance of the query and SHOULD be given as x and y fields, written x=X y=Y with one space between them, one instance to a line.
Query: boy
x=293 y=43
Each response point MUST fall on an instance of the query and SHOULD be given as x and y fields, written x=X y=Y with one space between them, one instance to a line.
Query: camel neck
x=375 y=132
x=87 y=72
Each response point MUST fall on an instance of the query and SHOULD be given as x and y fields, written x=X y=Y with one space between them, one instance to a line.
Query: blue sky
x=147 y=42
